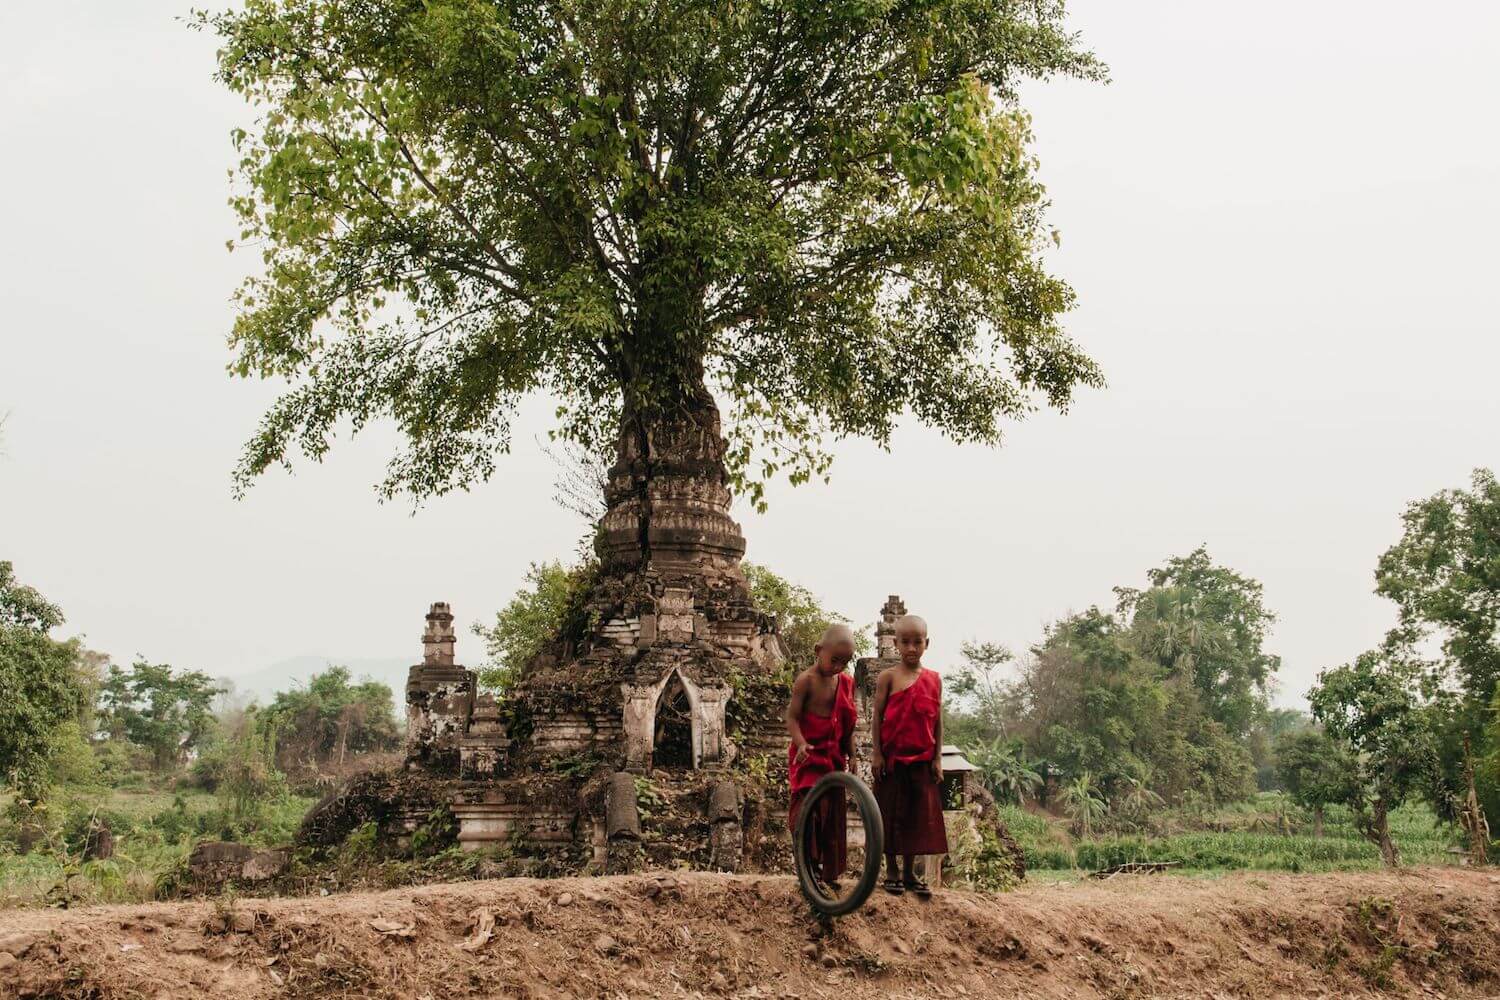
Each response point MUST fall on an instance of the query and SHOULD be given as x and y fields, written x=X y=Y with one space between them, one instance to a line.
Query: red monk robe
x=911 y=802
x=825 y=736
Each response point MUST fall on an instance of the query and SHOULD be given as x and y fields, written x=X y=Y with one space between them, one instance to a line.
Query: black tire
x=836 y=783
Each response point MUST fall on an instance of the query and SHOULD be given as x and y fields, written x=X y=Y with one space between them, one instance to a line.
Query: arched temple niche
x=674 y=737
x=653 y=721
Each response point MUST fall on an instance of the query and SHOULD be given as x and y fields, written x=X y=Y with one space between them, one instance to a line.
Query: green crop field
x=1263 y=834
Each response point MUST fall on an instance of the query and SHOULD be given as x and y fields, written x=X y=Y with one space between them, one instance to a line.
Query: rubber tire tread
x=869 y=814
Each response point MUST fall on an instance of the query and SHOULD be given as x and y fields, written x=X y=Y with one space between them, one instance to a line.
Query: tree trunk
x=1318 y=821
x=1381 y=827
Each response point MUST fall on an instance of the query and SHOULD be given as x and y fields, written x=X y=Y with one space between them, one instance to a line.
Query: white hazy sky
x=1280 y=219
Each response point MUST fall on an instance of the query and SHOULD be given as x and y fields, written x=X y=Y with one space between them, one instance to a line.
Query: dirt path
x=1432 y=932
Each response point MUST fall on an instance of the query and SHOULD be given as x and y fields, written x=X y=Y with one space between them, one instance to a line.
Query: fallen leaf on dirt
x=484 y=929
x=394 y=928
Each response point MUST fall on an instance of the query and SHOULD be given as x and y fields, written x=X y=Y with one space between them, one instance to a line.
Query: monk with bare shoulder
x=907 y=760
x=820 y=720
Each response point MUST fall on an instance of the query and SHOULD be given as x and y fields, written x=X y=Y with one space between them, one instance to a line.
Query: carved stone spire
x=885 y=629
x=667 y=499
x=438 y=639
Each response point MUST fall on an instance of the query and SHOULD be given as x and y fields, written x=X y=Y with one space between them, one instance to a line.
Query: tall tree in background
x=823 y=214
x=1315 y=771
x=1444 y=575
x=326 y=721
x=1208 y=624
x=39 y=689
x=1376 y=713
x=167 y=711
x=983 y=701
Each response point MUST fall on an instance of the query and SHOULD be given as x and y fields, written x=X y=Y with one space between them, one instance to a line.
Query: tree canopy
x=800 y=616
x=1316 y=771
x=22 y=606
x=1165 y=697
x=328 y=719
x=1375 y=712
x=826 y=213
x=548 y=606
x=1208 y=624
x=1444 y=576
x=165 y=710
x=40 y=682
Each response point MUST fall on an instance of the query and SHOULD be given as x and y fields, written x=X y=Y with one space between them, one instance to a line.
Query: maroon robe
x=911 y=802
x=825 y=734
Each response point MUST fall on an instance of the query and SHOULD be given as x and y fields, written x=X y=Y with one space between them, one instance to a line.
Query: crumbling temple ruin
x=669 y=675
x=648 y=733
x=668 y=726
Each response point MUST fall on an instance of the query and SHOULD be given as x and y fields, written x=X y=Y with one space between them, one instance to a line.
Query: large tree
x=1444 y=576
x=40 y=692
x=331 y=717
x=167 y=711
x=1376 y=712
x=825 y=214
x=1206 y=623
x=1315 y=771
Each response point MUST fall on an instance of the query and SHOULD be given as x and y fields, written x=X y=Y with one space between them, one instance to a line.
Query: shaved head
x=911 y=623
x=834 y=650
x=834 y=633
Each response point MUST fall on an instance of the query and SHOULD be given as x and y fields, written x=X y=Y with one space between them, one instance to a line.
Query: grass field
x=155 y=830
x=1265 y=834
x=153 y=833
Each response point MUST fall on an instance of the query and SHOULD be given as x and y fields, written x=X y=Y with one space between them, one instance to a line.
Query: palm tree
x=1138 y=798
x=1084 y=804
x=1005 y=772
x=1178 y=628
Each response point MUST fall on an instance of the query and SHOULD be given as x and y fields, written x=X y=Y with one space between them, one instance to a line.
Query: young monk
x=907 y=760
x=820 y=719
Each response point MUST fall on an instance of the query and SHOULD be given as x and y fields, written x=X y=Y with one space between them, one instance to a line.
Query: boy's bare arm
x=846 y=748
x=794 y=710
x=882 y=692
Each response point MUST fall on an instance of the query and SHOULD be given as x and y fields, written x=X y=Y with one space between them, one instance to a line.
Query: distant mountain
x=263 y=684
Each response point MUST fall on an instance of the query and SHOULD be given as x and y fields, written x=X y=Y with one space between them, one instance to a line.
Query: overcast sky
x=1280 y=223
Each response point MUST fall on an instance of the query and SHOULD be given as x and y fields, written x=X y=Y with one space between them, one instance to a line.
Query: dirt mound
x=1423 y=932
